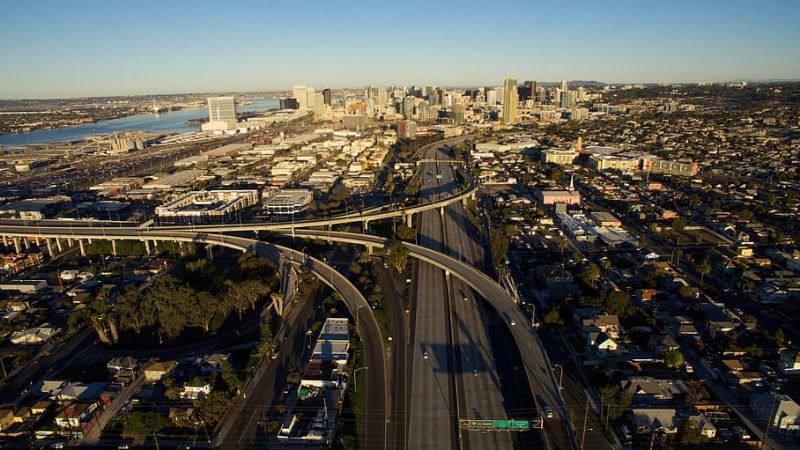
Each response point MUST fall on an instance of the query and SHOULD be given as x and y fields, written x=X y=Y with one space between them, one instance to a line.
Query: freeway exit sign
x=439 y=176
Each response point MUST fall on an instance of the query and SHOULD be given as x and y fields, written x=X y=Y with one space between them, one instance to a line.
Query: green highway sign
x=439 y=176
x=520 y=424
x=502 y=424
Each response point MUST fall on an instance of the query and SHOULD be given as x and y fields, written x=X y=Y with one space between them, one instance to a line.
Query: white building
x=221 y=114
x=288 y=201
x=213 y=206
x=782 y=412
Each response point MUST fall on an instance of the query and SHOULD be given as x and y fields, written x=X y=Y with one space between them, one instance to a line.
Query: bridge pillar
x=114 y=247
x=210 y=252
x=38 y=242
x=59 y=246
x=366 y=227
x=17 y=245
x=83 y=249
x=50 y=247
x=472 y=195
x=147 y=247
x=409 y=217
x=441 y=211
x=370 y=249
x=70 y=242
x=5 y=241
x=26 y=244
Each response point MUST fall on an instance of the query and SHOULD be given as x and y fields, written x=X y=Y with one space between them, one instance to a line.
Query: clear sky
x=85 y=47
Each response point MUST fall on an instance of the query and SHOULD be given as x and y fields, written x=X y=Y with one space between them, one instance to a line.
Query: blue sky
x=86 y=48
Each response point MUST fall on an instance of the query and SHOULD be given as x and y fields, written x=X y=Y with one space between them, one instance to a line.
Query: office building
x=221 y=114
x=288 y=201
x=559 y=156
x=289 y=103
x=326 y=96
x=406 y=129
x=304 y=96
x=564 y=86
x=510 y=100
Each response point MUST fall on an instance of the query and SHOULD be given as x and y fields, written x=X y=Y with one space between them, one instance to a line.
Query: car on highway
x=425 y=355
x=548 y=412
x=465 y=299
x=512 y=322
x=475 y=372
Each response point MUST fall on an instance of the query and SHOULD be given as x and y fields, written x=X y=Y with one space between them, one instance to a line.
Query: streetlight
x=561 y=374
x=355 y=378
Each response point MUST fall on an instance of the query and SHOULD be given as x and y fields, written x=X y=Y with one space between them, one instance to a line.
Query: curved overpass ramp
x=377 y=405
x=537 y=365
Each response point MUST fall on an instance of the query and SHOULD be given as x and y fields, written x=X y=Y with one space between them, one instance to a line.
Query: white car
x=425 y=355
x=512 y=322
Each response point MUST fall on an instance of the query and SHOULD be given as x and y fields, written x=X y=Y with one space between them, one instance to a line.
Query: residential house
x=661 y=343
x=650 y=391
x=155 y=370
x=123 y=368
x=212 y=364
x=782 y=412
x=6 y=417
x=196 y=388
x=705 y=426
x=789 y=362
x=600 y=344
x=647 y=420
x=606 y=323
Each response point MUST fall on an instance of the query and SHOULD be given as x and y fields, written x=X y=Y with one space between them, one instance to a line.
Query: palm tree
x=703 y=269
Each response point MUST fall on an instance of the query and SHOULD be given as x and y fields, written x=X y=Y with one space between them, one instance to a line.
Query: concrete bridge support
x=147 y=248
x=26 y=243
x=5 y=241
x=17 y=245
x=210 y=252
x=50 y=247
x=408 y=219
x=366 y=227
x=83 y=249
x=114 y=247
x=38 y=242
x=59 y=246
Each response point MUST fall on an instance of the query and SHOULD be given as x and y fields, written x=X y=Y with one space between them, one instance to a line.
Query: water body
x=170 y=121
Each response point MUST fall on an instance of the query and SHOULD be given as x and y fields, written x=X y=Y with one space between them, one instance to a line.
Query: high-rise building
x=408 y=107
x=406 y=129
x=326 y=95
x=457 y=114
x=510 y=100
x=289 y=103
x=491 y=97
x=221 y=113
x=319 y=106
x=564 y=86
x=383 y=97
x=301 y=94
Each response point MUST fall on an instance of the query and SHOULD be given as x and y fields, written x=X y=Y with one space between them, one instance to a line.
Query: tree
x=206 y=306
x=406 y=233
x=397 y=256
x=591 y=274
x=214 y=406
x=615 y=400
x=140 y=424
x=780 y=337
x=562 y=244
x=678 y=224
x=498 y=243
x=689 y=434
x=673 y=358
x=340 y=193
x=553 y=317
x=703 y=268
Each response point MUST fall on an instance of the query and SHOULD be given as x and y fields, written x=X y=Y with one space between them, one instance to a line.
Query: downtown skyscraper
x=510 y=100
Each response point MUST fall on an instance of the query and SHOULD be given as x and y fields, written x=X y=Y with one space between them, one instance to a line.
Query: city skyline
x=60 y=50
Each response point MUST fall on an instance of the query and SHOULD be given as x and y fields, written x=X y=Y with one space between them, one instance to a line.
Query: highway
x=474 y=371
x=433 y=415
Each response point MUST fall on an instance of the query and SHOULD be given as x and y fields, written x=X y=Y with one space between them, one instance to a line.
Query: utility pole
x=585 y=418
x=769 y=419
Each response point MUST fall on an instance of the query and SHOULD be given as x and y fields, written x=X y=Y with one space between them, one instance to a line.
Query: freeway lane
x=432 y=412
x=479 y=385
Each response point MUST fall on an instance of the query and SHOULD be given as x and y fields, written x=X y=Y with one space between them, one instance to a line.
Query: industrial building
x=212 y=206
